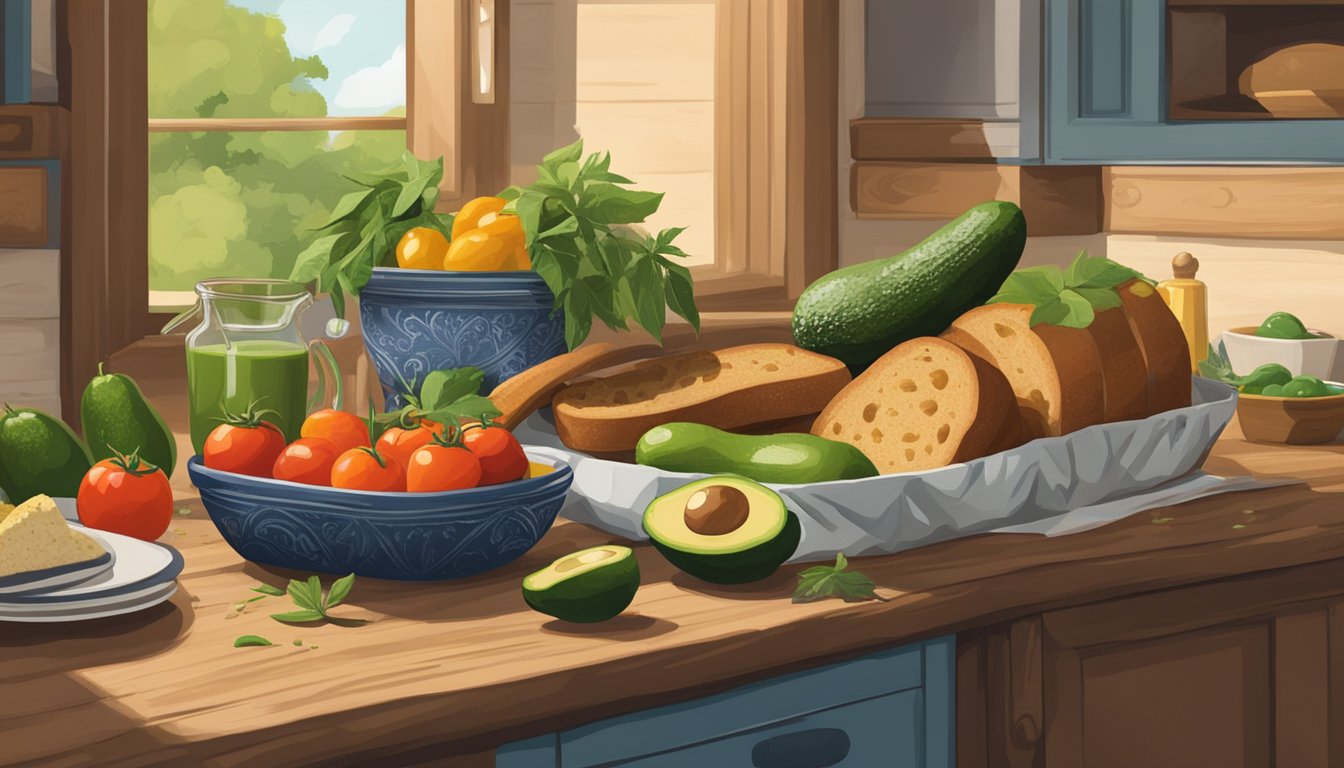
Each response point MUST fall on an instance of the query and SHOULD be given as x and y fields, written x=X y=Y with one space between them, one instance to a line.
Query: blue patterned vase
x=417 y=321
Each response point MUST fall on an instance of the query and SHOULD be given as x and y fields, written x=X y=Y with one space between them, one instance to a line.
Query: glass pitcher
x=248 y=352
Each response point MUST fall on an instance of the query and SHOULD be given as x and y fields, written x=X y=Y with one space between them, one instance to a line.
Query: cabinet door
x=1106 y=84
x=1243 y=673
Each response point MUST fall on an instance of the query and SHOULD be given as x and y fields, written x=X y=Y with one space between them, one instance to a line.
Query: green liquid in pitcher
x=274 y=374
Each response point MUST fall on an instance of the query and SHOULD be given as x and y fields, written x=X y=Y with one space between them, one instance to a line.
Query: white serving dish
x=1320 y=357
x=878 y=515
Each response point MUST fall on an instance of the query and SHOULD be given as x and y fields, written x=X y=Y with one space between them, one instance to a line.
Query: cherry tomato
x=245 y=446
x=126 y=495
x=364 y=469
x=502 y=457
x=400 y=443
x=307 y=460
x=341 y=429
x=439 y=467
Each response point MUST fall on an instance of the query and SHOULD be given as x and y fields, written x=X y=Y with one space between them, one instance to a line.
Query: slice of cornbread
x=34 y=537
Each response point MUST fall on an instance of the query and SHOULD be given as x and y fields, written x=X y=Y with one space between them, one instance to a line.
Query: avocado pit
x=716 y=510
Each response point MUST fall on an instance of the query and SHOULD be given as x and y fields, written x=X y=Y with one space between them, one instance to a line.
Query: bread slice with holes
x=1166 y=354
x=925 y=404
x=1055 y=372
x=739 y=389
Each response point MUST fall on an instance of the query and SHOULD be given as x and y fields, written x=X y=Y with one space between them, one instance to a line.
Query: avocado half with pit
x=590 y=585
x=724 y=529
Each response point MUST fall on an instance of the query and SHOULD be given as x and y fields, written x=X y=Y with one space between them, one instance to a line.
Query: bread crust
x=801 y=384
x=1123 y=367
x=1162 y=343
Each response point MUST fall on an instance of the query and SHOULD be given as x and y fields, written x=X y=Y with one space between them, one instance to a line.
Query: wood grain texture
x=435 y=56
x=972 y=697
x=1335 y=648
x=30 y=284
x=923 y=139
x=1287 y=203
x=1301 y=691
x=30 y=363
x=465 y=666
x=30 y=131
x=1057 y=200
x=127 y=171
x=23 y=207
x=811 y=218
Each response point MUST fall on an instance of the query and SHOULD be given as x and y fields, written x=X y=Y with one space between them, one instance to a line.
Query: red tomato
x=307 y=460
x=364 y=469
x=438 y=467
x=501 y=455
x=243 y=447
x=341 y=429
x=400 y=443
x=127 y=496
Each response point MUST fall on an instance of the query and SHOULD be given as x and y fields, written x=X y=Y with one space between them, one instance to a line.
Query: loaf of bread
x=1055 y=372
x=1124 y=373
x=1165 y=352
x=739 y=389
x=927 y=403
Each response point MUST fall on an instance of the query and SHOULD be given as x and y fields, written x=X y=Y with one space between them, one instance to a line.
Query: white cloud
x=334 y=31
x=380 y=86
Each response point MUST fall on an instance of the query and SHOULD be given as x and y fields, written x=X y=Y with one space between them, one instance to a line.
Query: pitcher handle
x=182 y=318
x=324 y=359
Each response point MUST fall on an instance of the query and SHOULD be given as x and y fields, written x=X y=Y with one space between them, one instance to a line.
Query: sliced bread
x=1055 y=372
x=735 y=389
x=1123 y=370
x=927 y=403
x=1165 y=351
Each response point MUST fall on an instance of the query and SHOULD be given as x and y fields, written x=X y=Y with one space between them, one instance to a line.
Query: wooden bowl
x=1291 y=420
x=1299 y=81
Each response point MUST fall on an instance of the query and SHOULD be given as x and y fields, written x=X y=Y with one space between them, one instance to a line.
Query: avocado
x=118 y=419
x=1282 y=325
x=724 y=529
x=590 y=585
x=1263 y=376
x=39 y=454
x=790 y=457
x=859 y=312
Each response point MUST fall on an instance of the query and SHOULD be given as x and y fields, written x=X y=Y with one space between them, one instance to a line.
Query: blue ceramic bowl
x=408 y=536
x=416 y=321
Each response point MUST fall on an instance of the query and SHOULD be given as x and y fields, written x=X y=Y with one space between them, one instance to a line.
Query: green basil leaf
x=298 y=617
x=650 y=300
x=412 y=164
x=300 y=593
x=578 y=317
x=510 y=194
x=444 y=387
x=346 y=206
x=251 y=641
x=340 y=589
x=529 y=208
x=267 y=589
x=1034 y=285
x=471 y=407
x=567 y=154
x=1097 y=272
x=1070 y=310
x=606 y=203
x=568 y=225
x=1100 y=298
x=313 y=259
x=841 y=562
x=1051 y=312
x=410 y=193
x=680 y=294
x=337 y=295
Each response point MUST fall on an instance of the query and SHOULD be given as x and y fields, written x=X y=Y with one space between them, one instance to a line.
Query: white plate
x=49 y=579
x=143 y=574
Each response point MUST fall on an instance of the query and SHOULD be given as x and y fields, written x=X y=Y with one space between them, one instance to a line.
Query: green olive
x=1269 y=373
x=1282 y=325
x=1305 y=386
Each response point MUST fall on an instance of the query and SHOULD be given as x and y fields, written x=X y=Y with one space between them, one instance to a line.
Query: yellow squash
x=486 y=240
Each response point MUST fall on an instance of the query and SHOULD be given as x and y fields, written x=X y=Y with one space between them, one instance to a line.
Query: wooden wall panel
x=1293 y=203
x=23 y=206
x=30 y=284
x=29 y=132
x=30 y=363
x=1301 y=692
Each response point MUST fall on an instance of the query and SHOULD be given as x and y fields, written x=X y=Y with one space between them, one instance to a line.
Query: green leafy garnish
x=825 y=581
x=1069 y=297
x=267 y=589
x=366 y=225
x=250 y=641
x=448 y=396
x=1216 y=366
x=312 y=604
x=576 y=219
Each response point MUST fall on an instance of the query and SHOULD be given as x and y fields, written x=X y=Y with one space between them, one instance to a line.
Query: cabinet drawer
x=751 y=706
x=885 y=732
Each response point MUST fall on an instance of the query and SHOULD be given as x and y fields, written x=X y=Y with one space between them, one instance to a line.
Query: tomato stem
x=133 y=464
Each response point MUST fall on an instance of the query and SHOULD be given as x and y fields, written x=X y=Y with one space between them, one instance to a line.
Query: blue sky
x=362 y=42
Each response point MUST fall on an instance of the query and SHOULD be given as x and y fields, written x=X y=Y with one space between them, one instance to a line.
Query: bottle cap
x=1184 y=266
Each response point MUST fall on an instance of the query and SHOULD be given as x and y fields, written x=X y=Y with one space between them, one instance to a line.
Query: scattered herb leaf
x=267 y=589
x=312 y=604
x=338 y=592
x=248 y=641
x=824 y=581
x=298 y=642
x=298 y=617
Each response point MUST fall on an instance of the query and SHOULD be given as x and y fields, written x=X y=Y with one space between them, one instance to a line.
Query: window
x=259 y=110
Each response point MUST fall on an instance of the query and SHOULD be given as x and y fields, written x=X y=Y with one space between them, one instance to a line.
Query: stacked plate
x=133 y=575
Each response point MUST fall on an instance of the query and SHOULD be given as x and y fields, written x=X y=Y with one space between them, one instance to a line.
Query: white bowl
x=1320 y=357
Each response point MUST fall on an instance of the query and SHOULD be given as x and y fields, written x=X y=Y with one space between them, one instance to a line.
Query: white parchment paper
x=1052 y=486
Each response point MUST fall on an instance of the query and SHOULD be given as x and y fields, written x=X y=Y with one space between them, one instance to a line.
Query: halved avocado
x=724 y=529
x=590 y=585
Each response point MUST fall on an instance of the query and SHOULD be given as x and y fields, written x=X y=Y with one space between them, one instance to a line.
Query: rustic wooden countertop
x=446 y=672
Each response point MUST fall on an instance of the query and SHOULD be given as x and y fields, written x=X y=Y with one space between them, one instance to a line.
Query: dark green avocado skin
x=857 y=313
x=738 y=567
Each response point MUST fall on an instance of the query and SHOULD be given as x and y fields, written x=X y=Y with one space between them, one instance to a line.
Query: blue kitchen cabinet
x=1106 y=98
x=894 y=708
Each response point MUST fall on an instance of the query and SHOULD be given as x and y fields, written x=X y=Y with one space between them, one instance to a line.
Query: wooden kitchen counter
x=443 y=671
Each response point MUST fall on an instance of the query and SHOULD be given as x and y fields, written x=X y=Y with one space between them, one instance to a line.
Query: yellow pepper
x=485 y=240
